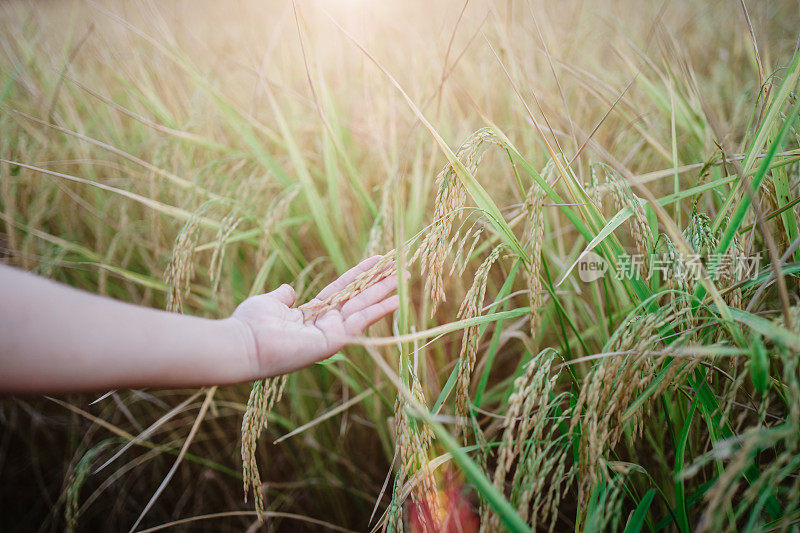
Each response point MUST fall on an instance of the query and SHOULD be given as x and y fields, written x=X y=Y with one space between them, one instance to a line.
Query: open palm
x=283 y=338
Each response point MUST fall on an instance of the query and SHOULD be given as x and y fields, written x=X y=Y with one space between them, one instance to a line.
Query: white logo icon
x=591 y=267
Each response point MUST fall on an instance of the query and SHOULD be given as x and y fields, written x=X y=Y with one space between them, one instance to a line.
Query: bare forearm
x=55 y=338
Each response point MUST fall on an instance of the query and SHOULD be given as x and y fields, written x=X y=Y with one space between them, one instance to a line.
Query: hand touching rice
x=54 y=338
x=282 y=339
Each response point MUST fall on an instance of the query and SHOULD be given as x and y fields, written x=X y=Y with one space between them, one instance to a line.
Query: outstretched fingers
x=348 y=277
x=371 y=295
x=359 y=321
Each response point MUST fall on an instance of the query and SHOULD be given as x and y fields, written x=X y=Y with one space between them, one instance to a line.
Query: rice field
x=597 y=202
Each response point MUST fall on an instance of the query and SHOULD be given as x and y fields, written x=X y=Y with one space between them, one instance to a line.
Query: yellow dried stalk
x=470 y=308
x=263 y=396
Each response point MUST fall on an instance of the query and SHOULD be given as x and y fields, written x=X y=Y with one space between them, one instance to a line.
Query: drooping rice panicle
x=622 y=196
x=471 y=307
x=450 y=198
x=226 y=229
x=531 y=441
x=608 y=388
x=413 y=443
x=263 y=396
x=534 y=239
x=384 y=268
x=180 y=269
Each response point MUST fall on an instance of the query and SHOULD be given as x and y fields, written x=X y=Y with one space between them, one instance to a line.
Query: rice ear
x=226 y=229
x=471 y=307
x=263 y=396
x=413 y=442
x=612 y=383
x=622 y=196
x=531 y=441
x=180 y=270
x=450 y=198
x=534 y=238
x=384 y=268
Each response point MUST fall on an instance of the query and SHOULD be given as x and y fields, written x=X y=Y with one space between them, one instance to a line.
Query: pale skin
x=54 y=338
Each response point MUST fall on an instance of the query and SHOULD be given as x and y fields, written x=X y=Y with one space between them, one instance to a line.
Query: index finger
x=348 y=277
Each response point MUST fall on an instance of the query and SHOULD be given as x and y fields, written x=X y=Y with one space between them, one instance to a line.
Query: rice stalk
x=450 y=198
x=263 y=396
x=531 y=441
x=180 y=270
x=470 y=308
x=610 y=386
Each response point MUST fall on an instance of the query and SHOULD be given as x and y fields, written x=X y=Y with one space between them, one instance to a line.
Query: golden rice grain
x=263 y=396
x=180 y=269
x=470 y=308
x=384 y=268
x=450 y=198
x=610 y=386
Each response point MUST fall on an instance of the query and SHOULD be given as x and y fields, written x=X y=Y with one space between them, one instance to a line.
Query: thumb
x=284 y=294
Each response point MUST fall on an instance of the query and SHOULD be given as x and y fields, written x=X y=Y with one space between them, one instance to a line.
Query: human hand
x=283 y=339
